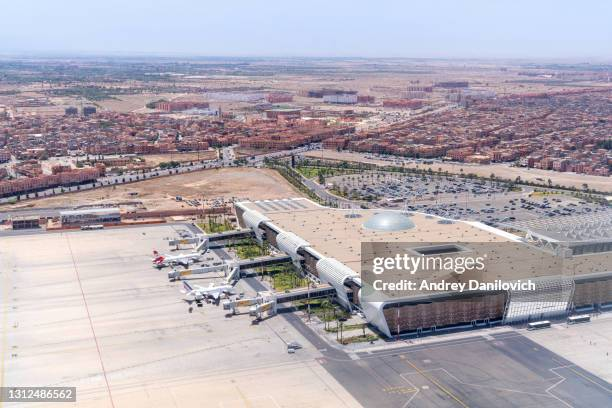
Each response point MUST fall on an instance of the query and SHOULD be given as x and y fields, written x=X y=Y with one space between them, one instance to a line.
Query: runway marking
x=413 y=395
x=548 y=394
x=549 y=389
x=489 y=387
x=76 y=270
x=422 y=347
x=243 y=398
x=590 y=380
x=569 y=367
x=400 y=390
x=447 y=392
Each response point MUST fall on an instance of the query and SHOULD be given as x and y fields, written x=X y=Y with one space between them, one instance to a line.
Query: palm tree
x=325 y=305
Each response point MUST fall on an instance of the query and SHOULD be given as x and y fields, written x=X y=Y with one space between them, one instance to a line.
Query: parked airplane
x=160 y=261
x=199 y=293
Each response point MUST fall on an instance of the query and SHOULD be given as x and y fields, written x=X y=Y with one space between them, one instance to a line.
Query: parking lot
x=387 y=188
x=458 y=198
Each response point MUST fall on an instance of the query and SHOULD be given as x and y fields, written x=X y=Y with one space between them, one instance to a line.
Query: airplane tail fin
x=187 y=286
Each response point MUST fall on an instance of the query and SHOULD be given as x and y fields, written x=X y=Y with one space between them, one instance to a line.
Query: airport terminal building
x=88 y=216
x=327 y=245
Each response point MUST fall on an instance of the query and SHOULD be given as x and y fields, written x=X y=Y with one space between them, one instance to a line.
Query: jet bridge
x=320 y=291
x=202 y=241
x=177 y=274
x=185 y=241
x=266 y=302
x=260 y=298
x=231 y=269
x=234 y=234
x=258 y=310
x=263 y=302
x=263 y=261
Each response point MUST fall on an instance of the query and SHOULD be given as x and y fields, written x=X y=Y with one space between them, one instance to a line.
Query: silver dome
x=389 y=221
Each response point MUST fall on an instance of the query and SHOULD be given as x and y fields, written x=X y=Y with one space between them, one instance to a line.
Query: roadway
x=325 y=195
x=228 y=161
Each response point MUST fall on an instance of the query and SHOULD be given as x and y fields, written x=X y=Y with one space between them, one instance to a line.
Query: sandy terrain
x=129 y=103
x=241 y=183
x=180 y=157
x=500 y=170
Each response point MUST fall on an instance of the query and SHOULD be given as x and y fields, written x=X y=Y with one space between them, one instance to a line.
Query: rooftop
x=339 y=234
x=110 y=210
x=313 y=223
x=389 y=221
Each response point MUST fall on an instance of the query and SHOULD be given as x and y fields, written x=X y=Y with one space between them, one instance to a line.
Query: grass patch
x=321 y=172
x=359 y=339
x=249 y=248
x=323 y=309
x=287 y=280
x=346 y=327
x=308 y=172
x=212 y=226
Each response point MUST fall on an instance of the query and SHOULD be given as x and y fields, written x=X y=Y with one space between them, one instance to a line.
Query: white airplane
x=160 y=261
x=199 y=293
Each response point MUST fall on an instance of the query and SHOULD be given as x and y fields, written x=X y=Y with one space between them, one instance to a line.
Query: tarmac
x=499 y=370
x=86 y=309
x=504 y=369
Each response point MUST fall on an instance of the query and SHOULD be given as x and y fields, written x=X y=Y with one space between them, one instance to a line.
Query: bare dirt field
x=500 y=170
x=244 y=152
x=130 y=103
x=155 y=159
x=238 y=183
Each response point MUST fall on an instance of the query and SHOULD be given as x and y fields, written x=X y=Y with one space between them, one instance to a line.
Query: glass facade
x=551 y=297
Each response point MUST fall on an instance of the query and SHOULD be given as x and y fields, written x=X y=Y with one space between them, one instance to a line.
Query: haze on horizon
x=543 y=29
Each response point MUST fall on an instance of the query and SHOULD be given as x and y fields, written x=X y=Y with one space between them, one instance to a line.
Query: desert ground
x=155 y=159
x=238 y=183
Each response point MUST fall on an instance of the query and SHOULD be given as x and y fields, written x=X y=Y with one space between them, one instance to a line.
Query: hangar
x=333 y=246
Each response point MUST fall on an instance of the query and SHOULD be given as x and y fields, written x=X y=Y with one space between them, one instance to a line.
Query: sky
x=559 y=29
